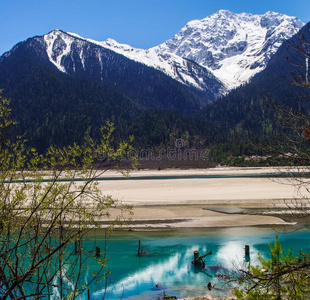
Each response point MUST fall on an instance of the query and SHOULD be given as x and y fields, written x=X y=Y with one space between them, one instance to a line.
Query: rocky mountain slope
x=233 y=47
x=63 y=87
x=213 y=55
x=68 y=55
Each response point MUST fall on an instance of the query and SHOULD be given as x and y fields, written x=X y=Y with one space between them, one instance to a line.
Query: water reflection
x=232 y=254
x=174 y=272
x=165 y=273
x=151 y=275
x=169 y=263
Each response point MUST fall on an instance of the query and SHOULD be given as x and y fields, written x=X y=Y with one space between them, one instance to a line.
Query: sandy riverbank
x=201 y=202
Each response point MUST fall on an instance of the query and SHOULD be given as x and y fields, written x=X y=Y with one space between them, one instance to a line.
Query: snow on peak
x=234 y=46
x=228 y=46
x=58 y=46
x=170 y=64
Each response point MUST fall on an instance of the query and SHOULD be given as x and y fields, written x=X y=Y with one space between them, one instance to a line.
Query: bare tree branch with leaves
x=49 y=202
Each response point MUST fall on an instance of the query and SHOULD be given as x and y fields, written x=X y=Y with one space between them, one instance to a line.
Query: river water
x=168 y=255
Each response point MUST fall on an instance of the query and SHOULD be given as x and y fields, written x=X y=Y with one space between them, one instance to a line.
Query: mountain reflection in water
x=168 y=258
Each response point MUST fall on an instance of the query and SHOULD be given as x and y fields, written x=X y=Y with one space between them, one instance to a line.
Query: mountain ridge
x=57 y=102
x=215 y=54
x=195 y=41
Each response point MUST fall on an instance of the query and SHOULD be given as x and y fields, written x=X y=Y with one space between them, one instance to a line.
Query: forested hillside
x=57 y=108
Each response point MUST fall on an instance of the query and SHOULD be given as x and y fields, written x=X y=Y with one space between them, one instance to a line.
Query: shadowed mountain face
x=64 y=87
x=58 y=107
x=243 y=113
x=146 y=86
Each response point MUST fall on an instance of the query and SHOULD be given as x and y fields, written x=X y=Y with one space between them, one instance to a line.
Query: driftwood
x=198 y=260
x=98 y=251
x=140 y=250
x=166 y=297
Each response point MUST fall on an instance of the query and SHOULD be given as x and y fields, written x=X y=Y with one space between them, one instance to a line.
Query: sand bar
x=201 y=202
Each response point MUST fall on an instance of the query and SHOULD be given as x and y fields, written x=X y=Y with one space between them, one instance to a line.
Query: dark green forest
x=53 y=108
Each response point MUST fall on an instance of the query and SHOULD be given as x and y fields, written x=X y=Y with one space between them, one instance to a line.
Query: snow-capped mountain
x=60 y=47
x=185 y=70
x=213 y=55
x=234 y=47
x=69 y=57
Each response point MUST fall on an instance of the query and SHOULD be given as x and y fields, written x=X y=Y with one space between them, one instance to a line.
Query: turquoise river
x=168 y=256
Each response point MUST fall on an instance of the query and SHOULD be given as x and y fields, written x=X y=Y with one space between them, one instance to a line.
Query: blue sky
x=139 y=23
